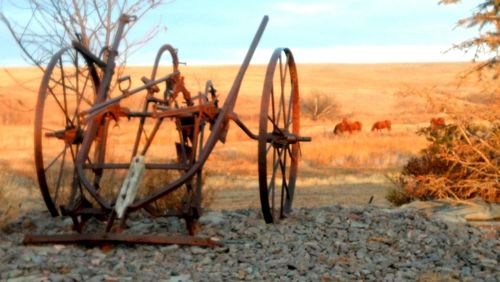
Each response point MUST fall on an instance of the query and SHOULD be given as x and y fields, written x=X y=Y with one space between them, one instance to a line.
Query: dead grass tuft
x=14 y=190
x=361 y=150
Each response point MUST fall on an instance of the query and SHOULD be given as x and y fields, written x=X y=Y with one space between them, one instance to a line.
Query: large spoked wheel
x=68 y=87
x=279 y=123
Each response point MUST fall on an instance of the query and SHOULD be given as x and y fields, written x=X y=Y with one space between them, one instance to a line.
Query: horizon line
x=298 y=63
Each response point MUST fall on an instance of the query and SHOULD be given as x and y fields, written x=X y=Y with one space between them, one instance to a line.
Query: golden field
x=334 y=169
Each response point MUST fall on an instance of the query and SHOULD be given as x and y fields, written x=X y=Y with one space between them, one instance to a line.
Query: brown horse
x=347 y=126
x=379 y=125
x=437 y=123
x=342 y=127
x=356 y=126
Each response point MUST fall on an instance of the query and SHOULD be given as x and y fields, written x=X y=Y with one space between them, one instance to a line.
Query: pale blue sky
x=342 y=31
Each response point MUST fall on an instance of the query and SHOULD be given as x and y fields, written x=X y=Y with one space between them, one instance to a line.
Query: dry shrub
x=319 y=105
x=461 y=162
x=398 y=196
x=156 y=179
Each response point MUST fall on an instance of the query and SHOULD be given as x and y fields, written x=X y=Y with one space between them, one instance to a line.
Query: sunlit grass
x=364 y=92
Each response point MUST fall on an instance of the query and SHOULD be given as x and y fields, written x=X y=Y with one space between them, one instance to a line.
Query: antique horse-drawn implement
x=72 y=152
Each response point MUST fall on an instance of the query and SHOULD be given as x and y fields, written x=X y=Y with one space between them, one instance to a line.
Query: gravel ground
x=333 y=243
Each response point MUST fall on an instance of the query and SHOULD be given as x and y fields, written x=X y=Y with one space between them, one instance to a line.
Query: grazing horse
x=379 y=125
x=437 y=123
x=342 y=127
x=346 y=125
x=356 y=126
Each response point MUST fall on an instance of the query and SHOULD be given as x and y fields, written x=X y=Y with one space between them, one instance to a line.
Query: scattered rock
x=320 y=244
x=212 y=218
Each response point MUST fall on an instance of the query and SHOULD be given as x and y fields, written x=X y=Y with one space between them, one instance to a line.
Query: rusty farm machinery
x=73 y=152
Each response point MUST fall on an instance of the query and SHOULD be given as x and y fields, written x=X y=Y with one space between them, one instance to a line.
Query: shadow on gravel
x=348 y=194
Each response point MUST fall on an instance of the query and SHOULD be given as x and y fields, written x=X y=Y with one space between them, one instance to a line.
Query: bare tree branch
x=55 y=23
x=487 y=18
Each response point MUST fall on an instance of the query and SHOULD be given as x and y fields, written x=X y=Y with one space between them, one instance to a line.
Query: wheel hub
x=69 y=135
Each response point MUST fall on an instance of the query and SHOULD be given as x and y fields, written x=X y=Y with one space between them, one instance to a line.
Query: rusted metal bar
x=288 y=138
x=172 y=166
x=112 y=238
x=233 y=93
x=217 y=131
x=102 y=106
x=185 y=112
x=234 y=117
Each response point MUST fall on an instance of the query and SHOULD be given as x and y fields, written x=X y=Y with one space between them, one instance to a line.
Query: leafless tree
x=55 y=23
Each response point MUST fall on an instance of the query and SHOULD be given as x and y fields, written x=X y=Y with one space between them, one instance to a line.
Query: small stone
x=169 y=248
x=357 y=224
x=54 y=277
x=198 y=250
x=206 y=260
x=212 y=218
x=242 y=274
x=180 y=278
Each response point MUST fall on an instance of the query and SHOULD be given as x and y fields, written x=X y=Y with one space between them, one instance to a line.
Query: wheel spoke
x=276 y=163
x=65 y=100
x=273 y=183
x=275 y=125
x=269 y=146
x=54 y=160
x=281 y=89
x=81 y=98
x=284 y=185
x=60 y=175
x=77 y=90
x=73 y=153
x=55 y=83
x=283 y=76
x=284 y=180
x=65 y=80
x=48 y=129
x=60 y=84
x=60 y=105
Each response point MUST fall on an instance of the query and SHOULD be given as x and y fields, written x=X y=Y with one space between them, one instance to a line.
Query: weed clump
x=461 y=162
x=177 y=200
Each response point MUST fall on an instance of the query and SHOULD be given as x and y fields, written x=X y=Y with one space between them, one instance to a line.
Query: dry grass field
x=335 y=169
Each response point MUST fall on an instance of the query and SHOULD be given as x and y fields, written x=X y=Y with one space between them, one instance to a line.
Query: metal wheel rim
x=62 y=89
x=277 y=204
